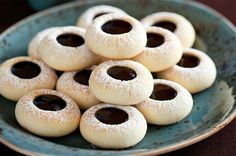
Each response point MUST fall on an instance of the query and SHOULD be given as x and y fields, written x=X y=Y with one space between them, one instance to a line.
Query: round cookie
x=162 y=51
x=116 y=36
x=20 y=75
x=168 y=104
x=34 y=43
x=174 y=22
x=121 y=82
x=195 y=71
x=113 y=126
x=75 y=84
x=92 y=13
x=47 y=113
x=64 y=49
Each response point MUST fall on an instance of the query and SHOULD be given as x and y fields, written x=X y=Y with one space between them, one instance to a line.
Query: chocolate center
x=111 y=115
x=154 y=40
x=25 y=70
x=163 y=92
x=121 y=73
x=49 y=102
x=70 y=40
x=82 y=77
x=100 y=14
x=189 y=61
x=166 y=25
x=116 y=27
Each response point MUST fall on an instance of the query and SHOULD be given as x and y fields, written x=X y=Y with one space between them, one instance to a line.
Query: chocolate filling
x=49 y=102
x=166 y=25
x=116 y=27
x=70 y=40
x=189 y=61
x=82 y=77
x=100 y=14
x=25 y=70
x=121 y=73
x=163 y=92
x=154 y=40
x=111 y=115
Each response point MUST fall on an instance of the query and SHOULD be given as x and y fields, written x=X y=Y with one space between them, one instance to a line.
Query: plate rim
x=171 y=147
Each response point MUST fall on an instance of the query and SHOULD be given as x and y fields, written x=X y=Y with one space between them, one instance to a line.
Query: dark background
x=221 y=144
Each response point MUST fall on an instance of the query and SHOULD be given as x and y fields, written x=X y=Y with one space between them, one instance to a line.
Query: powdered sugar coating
x=47 y=123
x=65 y=58
x=115 y=91
x=34 y=43
x=88 y=16
x=184 y=29
x=193 y=79
x=13 y=87
x=78 y=92
x=164 y=112
x=123 y=135
x=164 y=56
x=118 y=46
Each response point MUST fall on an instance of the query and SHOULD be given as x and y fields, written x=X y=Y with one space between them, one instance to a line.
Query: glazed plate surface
x=213 y=108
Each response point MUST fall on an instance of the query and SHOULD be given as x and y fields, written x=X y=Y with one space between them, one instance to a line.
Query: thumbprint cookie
x=162 y=51
x=168 y=104
x=123 y=82
x=64 y=49
x=47 y=113
x=195 y=71
x=20 y=75
x=113 y=126
x=116 y=36
x=174 y=22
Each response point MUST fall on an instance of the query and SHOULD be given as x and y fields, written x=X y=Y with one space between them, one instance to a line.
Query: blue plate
x=213 y=108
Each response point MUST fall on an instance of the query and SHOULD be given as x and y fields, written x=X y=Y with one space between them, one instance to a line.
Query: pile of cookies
x=121 y=72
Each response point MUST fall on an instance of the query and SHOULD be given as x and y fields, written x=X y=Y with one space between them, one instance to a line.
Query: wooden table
x=221 y=144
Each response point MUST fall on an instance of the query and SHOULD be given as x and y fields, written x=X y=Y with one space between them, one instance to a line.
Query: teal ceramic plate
x=213 y=108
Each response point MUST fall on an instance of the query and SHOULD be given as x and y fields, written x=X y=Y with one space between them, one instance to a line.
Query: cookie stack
x=121 y=72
